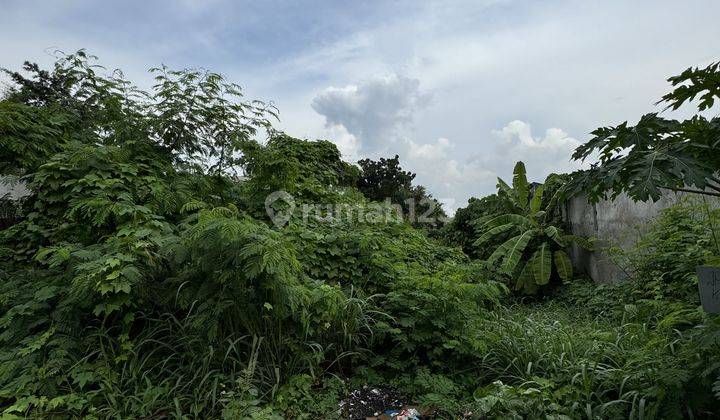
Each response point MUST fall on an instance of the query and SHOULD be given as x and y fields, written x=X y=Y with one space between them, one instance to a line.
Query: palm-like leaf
x=480 y=222
x=563 y=266
x=502 y=186
x=493 y=232
x=528 y=220
x=554 y=233
x=516 y=219
x=525 y=280
x=520 y=185
x=536 y=200
x=511 y=251
x=541 y=263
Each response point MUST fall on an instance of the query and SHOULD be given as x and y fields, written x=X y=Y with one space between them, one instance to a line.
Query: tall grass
x=591 y=367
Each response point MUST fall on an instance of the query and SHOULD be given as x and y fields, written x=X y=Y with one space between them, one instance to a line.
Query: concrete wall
x=619 y=222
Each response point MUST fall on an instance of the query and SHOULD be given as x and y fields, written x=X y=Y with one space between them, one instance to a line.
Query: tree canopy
x=659 y=153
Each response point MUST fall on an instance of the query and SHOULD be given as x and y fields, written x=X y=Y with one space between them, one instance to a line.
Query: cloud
x=429 y=152
x=455 y=179
x=347 y=144
x=516 y=142
x=550 y=153
x=499 y=61
x=446 y=178
x=375 y=111
x=375 y=118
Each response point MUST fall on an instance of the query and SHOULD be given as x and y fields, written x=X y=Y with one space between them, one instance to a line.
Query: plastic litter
x=407 y=413
x=379 y=403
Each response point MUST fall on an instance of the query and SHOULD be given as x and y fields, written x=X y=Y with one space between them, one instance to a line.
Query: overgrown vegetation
x=659 y=153
x=530 y=247
x=144 y=277
x=662 y=265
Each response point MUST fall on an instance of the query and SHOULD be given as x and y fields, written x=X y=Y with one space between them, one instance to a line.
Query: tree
x=385 y=179
x=531 y=247
x=659 y=153
x=194 y=117
x=461 y=230
x=310 y=171
x=135 y=280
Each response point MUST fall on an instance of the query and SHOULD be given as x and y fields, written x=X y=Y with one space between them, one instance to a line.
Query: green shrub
x=663 y=263
x=461 y=231
x=436 y=318
x=527 y=246
x=557 y=360
x=140 y=279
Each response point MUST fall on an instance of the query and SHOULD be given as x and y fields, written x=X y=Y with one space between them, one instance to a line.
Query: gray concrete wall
x=619 y=222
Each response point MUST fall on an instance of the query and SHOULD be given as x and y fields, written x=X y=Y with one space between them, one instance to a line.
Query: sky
x=460 y=90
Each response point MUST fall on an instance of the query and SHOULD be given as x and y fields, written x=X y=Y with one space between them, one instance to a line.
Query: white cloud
x=376 y=117
x=453 y=180
x=374 y=111
x=347 y=143
x=574 y=65
x=446 y=178
x=550 y=153
x=429 y=152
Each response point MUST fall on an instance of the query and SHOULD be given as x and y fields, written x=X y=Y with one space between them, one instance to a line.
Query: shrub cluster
x=142 y=278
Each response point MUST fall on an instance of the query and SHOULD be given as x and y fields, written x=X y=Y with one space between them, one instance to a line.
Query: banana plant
x=532 y=248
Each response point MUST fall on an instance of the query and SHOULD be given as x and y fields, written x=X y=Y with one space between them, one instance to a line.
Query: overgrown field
x=142 y=278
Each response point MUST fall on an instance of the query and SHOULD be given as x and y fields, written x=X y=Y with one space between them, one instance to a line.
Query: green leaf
x=525 y=280
x=536 y=201
x=502 y=186
x=517 y=219
x=554 y=233
x=563 y=265
x=46 y=293
x=541 y=263
x=583 y=242
x=559 y=194
x=511 y=251
x=82 y=378
x=493 y=232
x=520 y=185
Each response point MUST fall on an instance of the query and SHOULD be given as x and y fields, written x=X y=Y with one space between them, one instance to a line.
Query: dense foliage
x=384 y=179
x=662 y=264
x=659 y=153
x=143 y=278
x=525 y=242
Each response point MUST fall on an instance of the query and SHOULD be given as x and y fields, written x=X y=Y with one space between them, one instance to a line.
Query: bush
x=555 y=360
x=663 y=263
x=141 y=279
x=527 y=246
x=461 y=231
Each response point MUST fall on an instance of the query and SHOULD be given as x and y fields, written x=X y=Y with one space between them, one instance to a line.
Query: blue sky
x=459 y=89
